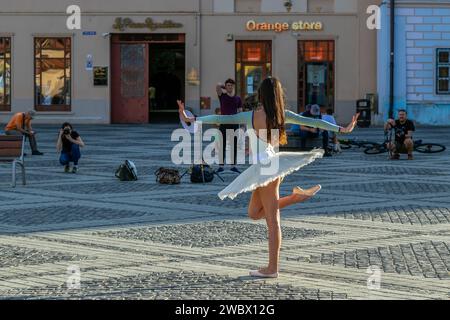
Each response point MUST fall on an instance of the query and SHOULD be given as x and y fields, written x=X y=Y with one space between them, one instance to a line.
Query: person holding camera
x=404 y=129
x=69 y=144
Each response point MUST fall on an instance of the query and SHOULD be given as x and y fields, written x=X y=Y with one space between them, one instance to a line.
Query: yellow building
x=132 y=59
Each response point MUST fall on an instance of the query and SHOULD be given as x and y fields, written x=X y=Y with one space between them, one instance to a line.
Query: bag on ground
x=127 y=171
x=202 y=174
x=168 y=176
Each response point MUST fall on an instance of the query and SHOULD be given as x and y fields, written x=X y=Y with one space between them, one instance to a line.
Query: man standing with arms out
x=20 y=124
x=404 y=129
x=230 y=104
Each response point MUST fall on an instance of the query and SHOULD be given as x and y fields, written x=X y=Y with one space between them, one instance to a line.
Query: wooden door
x=130 y=72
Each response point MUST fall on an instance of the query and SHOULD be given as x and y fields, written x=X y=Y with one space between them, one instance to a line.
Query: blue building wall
x=419 y=32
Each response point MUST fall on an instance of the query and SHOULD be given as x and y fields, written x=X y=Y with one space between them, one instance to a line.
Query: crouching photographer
x=69 y=144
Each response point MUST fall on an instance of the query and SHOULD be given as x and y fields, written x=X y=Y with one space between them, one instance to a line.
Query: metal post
x=392 y=59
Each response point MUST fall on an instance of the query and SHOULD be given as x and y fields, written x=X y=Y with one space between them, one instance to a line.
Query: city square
x=142 y=240
x=354 y=205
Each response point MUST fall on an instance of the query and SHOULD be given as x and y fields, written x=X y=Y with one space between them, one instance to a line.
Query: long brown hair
x=271 y=96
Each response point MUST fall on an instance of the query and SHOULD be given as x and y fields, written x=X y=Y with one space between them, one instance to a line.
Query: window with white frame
x=443 y=71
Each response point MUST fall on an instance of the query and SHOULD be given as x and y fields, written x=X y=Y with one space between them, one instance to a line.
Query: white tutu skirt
x=263 y=173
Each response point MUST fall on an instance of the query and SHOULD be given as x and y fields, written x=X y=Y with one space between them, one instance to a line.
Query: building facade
x=422 y=61
x=132 y=60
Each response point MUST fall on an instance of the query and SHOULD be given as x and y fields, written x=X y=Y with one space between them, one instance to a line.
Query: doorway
x=167 y=81
x=316 y=74
x=147 y=77
x=253 y=65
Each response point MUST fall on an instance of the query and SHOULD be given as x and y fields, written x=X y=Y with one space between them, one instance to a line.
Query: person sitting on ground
x=69 y=143
x=20 y=124
x=329 y=117
x=294 y=129
x=314 y=133
x=404 y=129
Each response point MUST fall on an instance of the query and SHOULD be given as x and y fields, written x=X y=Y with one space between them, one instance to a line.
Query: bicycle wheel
x=369 y=145
x=429 y=148
x=376 y=149
x=345 y=144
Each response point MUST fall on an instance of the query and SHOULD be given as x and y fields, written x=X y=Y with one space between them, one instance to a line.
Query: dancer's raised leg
x=256 y=211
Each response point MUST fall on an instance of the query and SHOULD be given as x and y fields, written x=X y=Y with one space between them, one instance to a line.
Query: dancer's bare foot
x=264 y=273
x=305 y=195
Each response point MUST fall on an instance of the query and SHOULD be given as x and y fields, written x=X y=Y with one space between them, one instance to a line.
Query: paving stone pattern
x=141 y=240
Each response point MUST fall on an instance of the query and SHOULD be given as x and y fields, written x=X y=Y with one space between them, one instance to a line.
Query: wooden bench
x=12 y=150
x=294 y=144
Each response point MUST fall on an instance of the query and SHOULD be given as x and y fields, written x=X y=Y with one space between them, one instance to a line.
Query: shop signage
x=122 y=24
x=252 y=25
x=100 y=76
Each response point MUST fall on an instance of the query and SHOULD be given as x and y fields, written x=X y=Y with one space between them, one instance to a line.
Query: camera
x=66 y=131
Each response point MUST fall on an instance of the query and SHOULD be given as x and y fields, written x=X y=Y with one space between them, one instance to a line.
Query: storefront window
x=253 y=65
x=443 y=71
x=316 y=74
x=52 y=74
x=5 y=74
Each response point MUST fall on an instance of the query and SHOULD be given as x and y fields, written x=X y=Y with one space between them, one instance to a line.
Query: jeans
x=223 y=129
x=31 y=138
x=73 y=156
x=304 y=135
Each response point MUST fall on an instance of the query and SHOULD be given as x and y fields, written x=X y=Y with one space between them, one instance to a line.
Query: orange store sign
x=252 y=25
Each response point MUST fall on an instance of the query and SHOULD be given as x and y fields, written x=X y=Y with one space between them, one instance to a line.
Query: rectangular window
x=52 y=74
x=253 y=65
x=443 y=71
x=5 y=74
x=247 y=6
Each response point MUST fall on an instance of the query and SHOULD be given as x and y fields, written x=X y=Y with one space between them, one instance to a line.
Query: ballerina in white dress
x=264 y=184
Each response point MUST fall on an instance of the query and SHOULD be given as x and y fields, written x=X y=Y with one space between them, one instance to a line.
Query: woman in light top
x=261 y=178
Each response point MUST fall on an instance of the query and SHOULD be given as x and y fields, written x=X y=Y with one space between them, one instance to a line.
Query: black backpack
x=202 y=174
x=127 y=172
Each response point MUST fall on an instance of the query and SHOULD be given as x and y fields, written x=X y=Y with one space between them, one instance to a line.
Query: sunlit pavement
x=89 y=236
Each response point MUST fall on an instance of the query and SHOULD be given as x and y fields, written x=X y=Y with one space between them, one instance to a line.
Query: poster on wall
x=100 y=76
x=89 y=62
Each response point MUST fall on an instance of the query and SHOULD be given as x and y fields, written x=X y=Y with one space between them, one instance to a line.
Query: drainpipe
x=199 y=44
x=392 y=58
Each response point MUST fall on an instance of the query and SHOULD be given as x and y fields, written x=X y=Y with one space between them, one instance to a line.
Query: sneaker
x=395 y=157
x=74 y=169
x=67 y=169
x=220 y=170
x=37 y=153
x=410 y=157
x=236 y=170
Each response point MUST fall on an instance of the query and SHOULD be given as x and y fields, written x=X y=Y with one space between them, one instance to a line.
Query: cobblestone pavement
x=140 y=240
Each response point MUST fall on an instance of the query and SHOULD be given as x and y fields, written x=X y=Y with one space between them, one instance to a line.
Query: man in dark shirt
x=403 y=129
x=230 y=104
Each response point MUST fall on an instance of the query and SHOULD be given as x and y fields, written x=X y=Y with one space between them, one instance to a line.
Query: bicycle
x=346 y=144
x=419 y=146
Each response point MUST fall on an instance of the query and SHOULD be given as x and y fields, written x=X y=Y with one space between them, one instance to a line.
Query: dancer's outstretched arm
x=294 y=118
x=240 y=118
